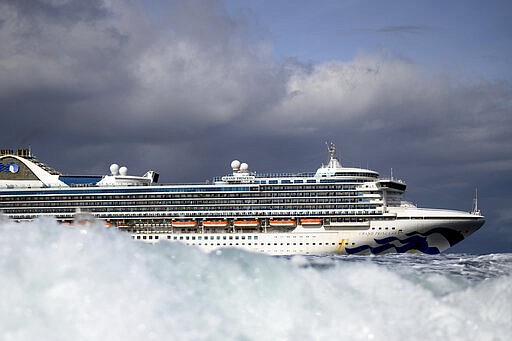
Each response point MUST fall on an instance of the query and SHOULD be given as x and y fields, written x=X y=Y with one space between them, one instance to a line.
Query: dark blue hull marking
x=416 y=241
x=452 y=236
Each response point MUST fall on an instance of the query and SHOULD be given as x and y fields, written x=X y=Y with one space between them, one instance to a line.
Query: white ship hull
x=431 y=236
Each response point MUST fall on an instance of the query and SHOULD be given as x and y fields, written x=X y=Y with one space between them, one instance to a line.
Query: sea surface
x=95 y=283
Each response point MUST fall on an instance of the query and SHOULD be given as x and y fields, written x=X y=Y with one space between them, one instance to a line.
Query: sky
x=184 y=87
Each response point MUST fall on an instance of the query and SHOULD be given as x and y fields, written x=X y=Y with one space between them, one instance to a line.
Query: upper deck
x=21 y=170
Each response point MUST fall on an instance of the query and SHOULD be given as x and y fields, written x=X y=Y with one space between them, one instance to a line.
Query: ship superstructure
x=333 y=210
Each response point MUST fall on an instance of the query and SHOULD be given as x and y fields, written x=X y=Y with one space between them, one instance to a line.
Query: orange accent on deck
x=311 y=221
x=215 y=223
x=282 y=222
x=189 y=223
x=247 y=223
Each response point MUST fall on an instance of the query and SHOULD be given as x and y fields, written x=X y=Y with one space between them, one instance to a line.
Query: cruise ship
x=336 y=209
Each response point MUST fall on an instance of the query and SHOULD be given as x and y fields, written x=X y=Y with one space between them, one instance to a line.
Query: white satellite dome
x=235 y=165
x=123 y=171
x=114 y=169
x=244 y=167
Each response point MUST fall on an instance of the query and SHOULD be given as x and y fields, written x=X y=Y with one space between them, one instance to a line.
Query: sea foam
x=93 y=283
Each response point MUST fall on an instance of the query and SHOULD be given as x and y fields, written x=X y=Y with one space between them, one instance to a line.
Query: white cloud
x=336 y=91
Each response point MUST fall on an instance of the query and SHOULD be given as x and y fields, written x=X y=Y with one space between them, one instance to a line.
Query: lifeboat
x=184 y=223
x=246 y=223
x=83 y=218
x=215 y=223
x=311 y=221
x=282 y=222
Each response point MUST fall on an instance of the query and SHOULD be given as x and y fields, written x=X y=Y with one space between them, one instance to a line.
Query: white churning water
x=92 y=283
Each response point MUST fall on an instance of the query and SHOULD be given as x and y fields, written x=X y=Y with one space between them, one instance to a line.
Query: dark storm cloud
x=70 y=11
x=181 y=89
x=394 y=30
x=107 y=76
x=402 y=29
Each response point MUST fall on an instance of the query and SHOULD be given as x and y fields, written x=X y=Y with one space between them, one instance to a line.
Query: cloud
x=396 y=102
x=121 y=73
x=116 y=69
x=402 y=29
x=395 y=30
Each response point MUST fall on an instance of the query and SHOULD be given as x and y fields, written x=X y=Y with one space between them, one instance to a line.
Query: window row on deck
x=205 y=191
x=152 y=207
x=221 y=196
x=273 y=201
x=203 y=211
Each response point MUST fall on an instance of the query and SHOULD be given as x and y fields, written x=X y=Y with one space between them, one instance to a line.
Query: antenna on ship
x=333 y=160
x=475 y=203
x=332 y=149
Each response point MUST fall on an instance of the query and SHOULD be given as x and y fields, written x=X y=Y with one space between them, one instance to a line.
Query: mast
x=333 y=160
x=475 y=203
x=332 y=150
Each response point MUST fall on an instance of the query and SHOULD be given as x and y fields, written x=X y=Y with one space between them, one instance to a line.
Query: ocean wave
x=87 y=283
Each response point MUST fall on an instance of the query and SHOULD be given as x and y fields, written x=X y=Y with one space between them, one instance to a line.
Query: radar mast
x=333 y=160
x=475 y=203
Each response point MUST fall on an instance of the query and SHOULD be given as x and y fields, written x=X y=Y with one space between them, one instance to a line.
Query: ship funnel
x=152 y=175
